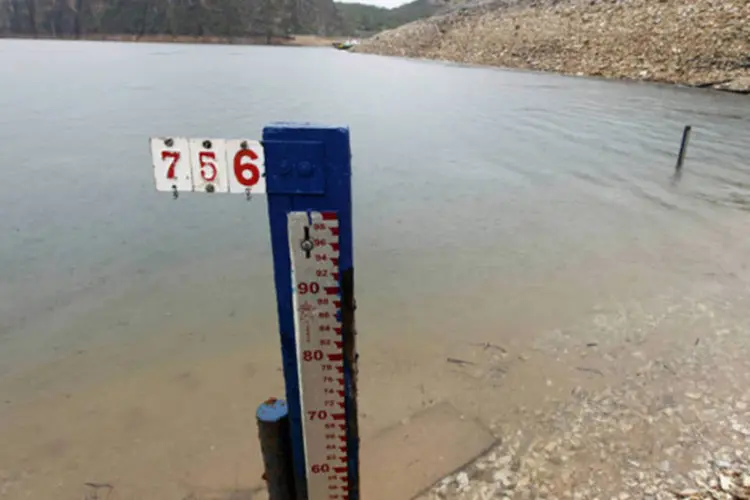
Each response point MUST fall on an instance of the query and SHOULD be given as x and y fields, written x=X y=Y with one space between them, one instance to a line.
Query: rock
x=462 y=480
x=740 y=85
x=503 y=478
x=725 y=483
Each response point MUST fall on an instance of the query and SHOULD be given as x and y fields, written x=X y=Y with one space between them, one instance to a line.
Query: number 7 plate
x=171 y=159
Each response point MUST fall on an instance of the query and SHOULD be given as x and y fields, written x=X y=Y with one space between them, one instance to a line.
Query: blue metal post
x=308 y=168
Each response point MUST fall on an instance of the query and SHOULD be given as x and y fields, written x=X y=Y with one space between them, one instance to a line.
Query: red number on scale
x=312 y=355
x=318 y=468
x=321 y=272
x=208 y=168
x=304 y=288
x=175 y=155
x=317 y=414
x=319 y=226
x=320 y=257
x=246 y=173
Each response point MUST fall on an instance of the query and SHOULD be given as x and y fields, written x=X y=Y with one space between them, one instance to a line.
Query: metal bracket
x=295 y=167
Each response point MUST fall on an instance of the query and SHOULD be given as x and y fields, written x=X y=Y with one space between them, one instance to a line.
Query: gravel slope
x=700 y=42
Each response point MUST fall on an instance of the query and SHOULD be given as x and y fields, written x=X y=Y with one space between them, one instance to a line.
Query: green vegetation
x=218 y=18
x=363 y=20
x=208 y=18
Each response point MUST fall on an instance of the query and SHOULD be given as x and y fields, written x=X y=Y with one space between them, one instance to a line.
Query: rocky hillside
x=222 y=18
x=694 y=42
x=365 y=19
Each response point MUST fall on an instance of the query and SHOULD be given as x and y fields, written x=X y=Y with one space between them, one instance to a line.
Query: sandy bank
x=703 y=43
x=292 y=41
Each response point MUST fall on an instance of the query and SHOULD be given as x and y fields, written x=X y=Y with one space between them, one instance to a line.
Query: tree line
x=201 y=18
x=224 y=18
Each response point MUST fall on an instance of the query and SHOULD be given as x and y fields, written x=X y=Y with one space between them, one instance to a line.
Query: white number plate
x=208 y=161
x=171 y=160
x=208 y=165
x=247 y=166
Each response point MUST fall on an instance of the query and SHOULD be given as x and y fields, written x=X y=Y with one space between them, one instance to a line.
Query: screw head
x=210 y=188
x=243 y=144
x=169 y=143
x=305 y=169
x=307 y=245
x=207 y=144
x=285 y=167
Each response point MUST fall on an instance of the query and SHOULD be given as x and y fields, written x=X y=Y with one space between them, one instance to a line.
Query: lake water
x=137 y=333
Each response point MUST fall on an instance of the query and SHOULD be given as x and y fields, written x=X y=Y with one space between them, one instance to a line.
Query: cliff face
x=694 y=42
x=221 y=18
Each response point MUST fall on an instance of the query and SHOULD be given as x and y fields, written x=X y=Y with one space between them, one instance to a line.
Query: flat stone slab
x=403 y=461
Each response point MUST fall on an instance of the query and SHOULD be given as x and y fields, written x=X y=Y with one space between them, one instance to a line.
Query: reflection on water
x=489 y=206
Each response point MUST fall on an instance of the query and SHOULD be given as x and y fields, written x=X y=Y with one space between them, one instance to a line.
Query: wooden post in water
x=683 y=148
x=276 y=448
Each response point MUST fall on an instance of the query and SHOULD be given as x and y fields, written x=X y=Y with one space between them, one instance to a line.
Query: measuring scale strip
x=320 y=355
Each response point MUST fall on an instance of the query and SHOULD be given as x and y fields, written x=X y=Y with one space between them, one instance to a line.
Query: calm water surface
x=488 y=204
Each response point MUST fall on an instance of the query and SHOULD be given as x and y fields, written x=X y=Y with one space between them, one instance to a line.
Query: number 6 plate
x=208 y=165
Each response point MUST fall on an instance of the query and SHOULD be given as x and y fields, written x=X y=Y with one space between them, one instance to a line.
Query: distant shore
x=291 y=40
x=700 y=43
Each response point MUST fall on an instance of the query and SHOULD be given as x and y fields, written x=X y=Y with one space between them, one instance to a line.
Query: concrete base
x=403 y=461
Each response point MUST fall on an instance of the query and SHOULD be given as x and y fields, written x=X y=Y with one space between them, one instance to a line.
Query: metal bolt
x=169 y=143
x=210 y=188
x=207 y=144
x=305 y=169
x=243 y=144
x=307 y=245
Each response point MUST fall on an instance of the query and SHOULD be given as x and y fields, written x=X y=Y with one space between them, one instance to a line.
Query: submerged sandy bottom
x=172 y=415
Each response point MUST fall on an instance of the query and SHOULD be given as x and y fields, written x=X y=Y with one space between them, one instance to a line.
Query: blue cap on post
x=272 y=410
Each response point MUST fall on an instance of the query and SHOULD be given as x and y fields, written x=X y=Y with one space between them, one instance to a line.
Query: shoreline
x=624 y=79
x=698 y=46
x=277 y=41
